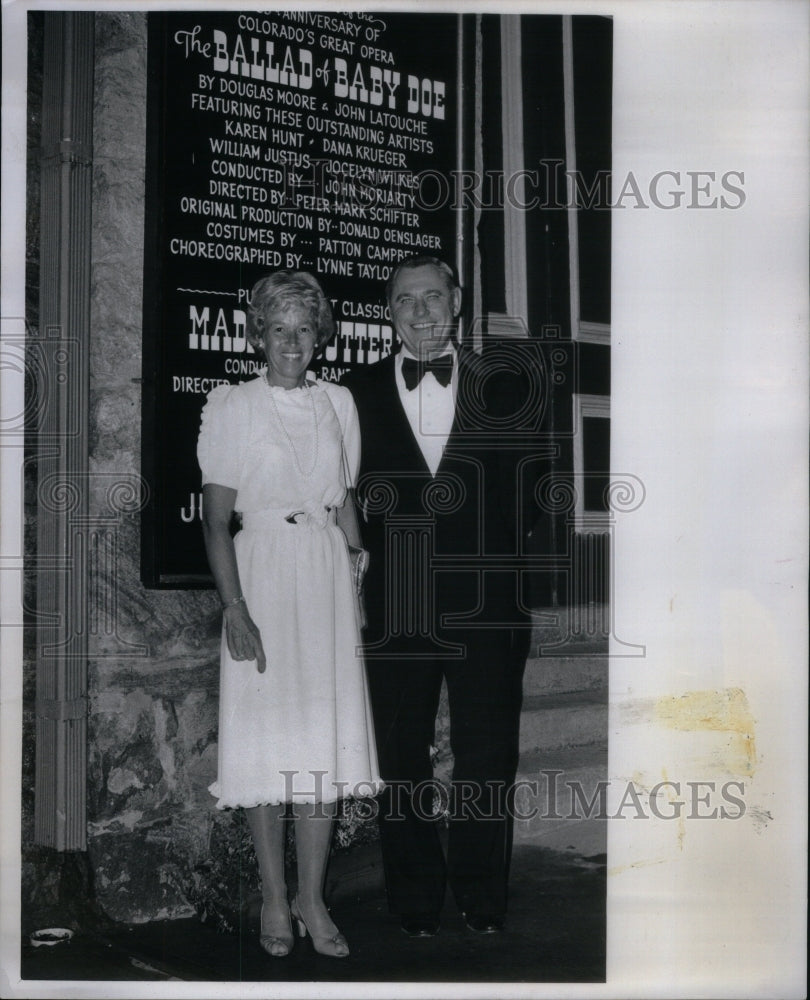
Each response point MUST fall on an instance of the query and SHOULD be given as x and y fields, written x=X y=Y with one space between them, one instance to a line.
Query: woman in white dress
x=294 y=719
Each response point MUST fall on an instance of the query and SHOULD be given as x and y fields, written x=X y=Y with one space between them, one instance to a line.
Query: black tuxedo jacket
x=445 y=549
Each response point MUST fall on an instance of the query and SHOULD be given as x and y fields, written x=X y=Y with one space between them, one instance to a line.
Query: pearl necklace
x=306 y=475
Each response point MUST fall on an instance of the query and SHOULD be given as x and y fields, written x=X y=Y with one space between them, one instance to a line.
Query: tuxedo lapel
x=456 y=429
x=398 y=430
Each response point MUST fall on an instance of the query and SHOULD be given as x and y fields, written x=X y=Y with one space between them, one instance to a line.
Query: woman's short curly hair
x=285 y=288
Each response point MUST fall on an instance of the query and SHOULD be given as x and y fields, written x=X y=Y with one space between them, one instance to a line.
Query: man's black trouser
x=484 y=692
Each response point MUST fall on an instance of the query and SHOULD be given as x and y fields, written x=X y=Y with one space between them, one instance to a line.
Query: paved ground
x=555 y=933
x=556 y=924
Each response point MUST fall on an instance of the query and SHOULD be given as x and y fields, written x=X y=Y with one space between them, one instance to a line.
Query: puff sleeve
x=343 y=402
x=220 y=445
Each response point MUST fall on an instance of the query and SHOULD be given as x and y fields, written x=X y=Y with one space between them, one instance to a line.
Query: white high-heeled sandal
x=275 y=945
x=334 y=947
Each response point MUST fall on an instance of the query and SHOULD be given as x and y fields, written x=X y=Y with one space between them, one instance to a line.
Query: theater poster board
x=323 y=142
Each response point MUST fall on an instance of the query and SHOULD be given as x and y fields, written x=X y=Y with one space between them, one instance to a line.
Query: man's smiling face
x=424 y=308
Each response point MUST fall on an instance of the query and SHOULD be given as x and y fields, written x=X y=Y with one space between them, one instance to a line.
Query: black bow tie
x=412 y=370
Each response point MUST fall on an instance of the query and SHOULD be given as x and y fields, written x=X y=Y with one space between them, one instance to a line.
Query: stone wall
x=153 y=668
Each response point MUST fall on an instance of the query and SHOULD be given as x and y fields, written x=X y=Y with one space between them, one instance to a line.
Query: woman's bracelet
x=231 y=604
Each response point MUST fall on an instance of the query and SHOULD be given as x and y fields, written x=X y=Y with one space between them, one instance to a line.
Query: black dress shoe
x=484 y=923
x=420 y=925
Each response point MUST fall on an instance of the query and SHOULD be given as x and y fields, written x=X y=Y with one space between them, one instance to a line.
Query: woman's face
x=289 y=337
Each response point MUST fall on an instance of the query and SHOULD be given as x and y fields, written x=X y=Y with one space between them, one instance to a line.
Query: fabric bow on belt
x=314 y=516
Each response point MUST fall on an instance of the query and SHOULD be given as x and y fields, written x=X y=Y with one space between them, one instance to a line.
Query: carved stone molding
x=67 y=139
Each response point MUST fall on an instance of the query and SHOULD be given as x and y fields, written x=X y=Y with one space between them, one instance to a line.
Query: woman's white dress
x=302 y=730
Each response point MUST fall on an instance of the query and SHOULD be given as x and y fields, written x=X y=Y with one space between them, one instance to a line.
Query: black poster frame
x=175 y=559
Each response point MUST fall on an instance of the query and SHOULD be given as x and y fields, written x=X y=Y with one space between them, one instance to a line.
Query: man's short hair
x=421 y=260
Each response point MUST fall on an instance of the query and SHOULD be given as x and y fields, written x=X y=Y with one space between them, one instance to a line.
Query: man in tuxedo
x=439 y=498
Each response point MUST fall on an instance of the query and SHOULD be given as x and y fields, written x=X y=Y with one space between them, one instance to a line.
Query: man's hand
x=243 y=637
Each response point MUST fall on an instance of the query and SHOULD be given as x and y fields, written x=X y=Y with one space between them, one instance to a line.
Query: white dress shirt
x=429 y=407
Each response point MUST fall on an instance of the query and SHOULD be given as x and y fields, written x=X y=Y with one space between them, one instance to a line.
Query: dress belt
x=285 y=517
